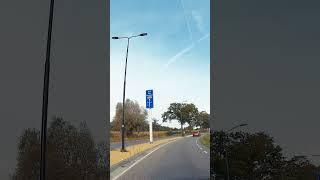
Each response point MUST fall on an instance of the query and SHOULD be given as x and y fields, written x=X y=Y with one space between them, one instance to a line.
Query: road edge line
x=139 y=160
x=202 y=147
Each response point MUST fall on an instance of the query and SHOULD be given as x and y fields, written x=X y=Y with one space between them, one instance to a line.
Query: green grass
x=205 y=140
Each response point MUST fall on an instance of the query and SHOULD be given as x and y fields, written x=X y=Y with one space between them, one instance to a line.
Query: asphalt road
x=184 y=159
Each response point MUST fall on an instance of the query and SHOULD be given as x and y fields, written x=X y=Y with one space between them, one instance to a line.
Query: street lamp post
x=43 y=147
x=124 y=87
x=317 y=172
x=226 y=151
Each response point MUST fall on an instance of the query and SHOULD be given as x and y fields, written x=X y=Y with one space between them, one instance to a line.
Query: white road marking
x=119 y=175
x=200 y=146
x=197 y=143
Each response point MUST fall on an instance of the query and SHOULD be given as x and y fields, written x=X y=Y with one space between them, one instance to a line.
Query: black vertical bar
x=45 y=99
x=123 y=101
x=226 y=157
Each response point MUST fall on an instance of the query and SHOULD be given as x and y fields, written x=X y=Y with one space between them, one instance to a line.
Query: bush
x=116 y=136
x=170 y=133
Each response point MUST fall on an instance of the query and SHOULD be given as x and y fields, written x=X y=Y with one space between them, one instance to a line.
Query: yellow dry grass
x=115 y=135
x=116 y=156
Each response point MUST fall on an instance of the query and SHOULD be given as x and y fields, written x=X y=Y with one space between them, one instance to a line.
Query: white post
x=150 y=126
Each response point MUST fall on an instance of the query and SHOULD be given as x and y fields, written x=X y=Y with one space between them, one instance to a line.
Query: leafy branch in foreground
x=255 y=156
x=71 y=153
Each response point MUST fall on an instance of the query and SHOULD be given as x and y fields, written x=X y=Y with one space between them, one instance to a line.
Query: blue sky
x=173 y=59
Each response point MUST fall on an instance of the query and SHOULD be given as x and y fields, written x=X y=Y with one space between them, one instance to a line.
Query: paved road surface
x=180 y=160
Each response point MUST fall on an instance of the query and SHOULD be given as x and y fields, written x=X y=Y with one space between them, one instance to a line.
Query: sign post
x=149 y=105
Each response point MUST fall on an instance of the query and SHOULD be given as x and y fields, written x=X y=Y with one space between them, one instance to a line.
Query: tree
x=135 y=117
x=255 y=156
x=28 y=164
x=259 y=155
x=299 y=168
x=155 y=125
x=71 y=153
x=158 y=127
x=86 y=152
x=182 y=112
x=251 y=156
x=202 y=120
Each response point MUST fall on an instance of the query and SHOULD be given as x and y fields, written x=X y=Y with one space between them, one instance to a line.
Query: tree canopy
x=182 y=112
x=135 y=117
x=202 y=120
x=71 y=153
x=256 y=156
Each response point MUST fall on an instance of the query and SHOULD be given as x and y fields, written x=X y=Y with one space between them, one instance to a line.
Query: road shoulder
x=205 y=149
x=120 y=168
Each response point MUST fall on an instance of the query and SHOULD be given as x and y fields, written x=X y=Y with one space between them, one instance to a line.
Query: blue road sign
x=318 y=176
x=149 y=99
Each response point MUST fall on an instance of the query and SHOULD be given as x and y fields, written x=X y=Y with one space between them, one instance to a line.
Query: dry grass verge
x=205 y=140
x=116 y=135
x=116 y=156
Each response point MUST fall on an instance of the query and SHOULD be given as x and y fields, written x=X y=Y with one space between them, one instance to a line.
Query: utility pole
x=150 y=126
x=149 y=105
x=43 y=149
x=124 y=88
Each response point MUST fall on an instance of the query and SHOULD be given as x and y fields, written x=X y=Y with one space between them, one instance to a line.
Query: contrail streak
x=185 y=50
x=175 y=57
x=204 y=37
x=186 y=18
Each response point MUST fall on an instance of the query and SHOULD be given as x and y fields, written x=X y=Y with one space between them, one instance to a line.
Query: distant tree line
x=255 y=156
x=71 y=153
x=158 y=127
x=136 y=117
